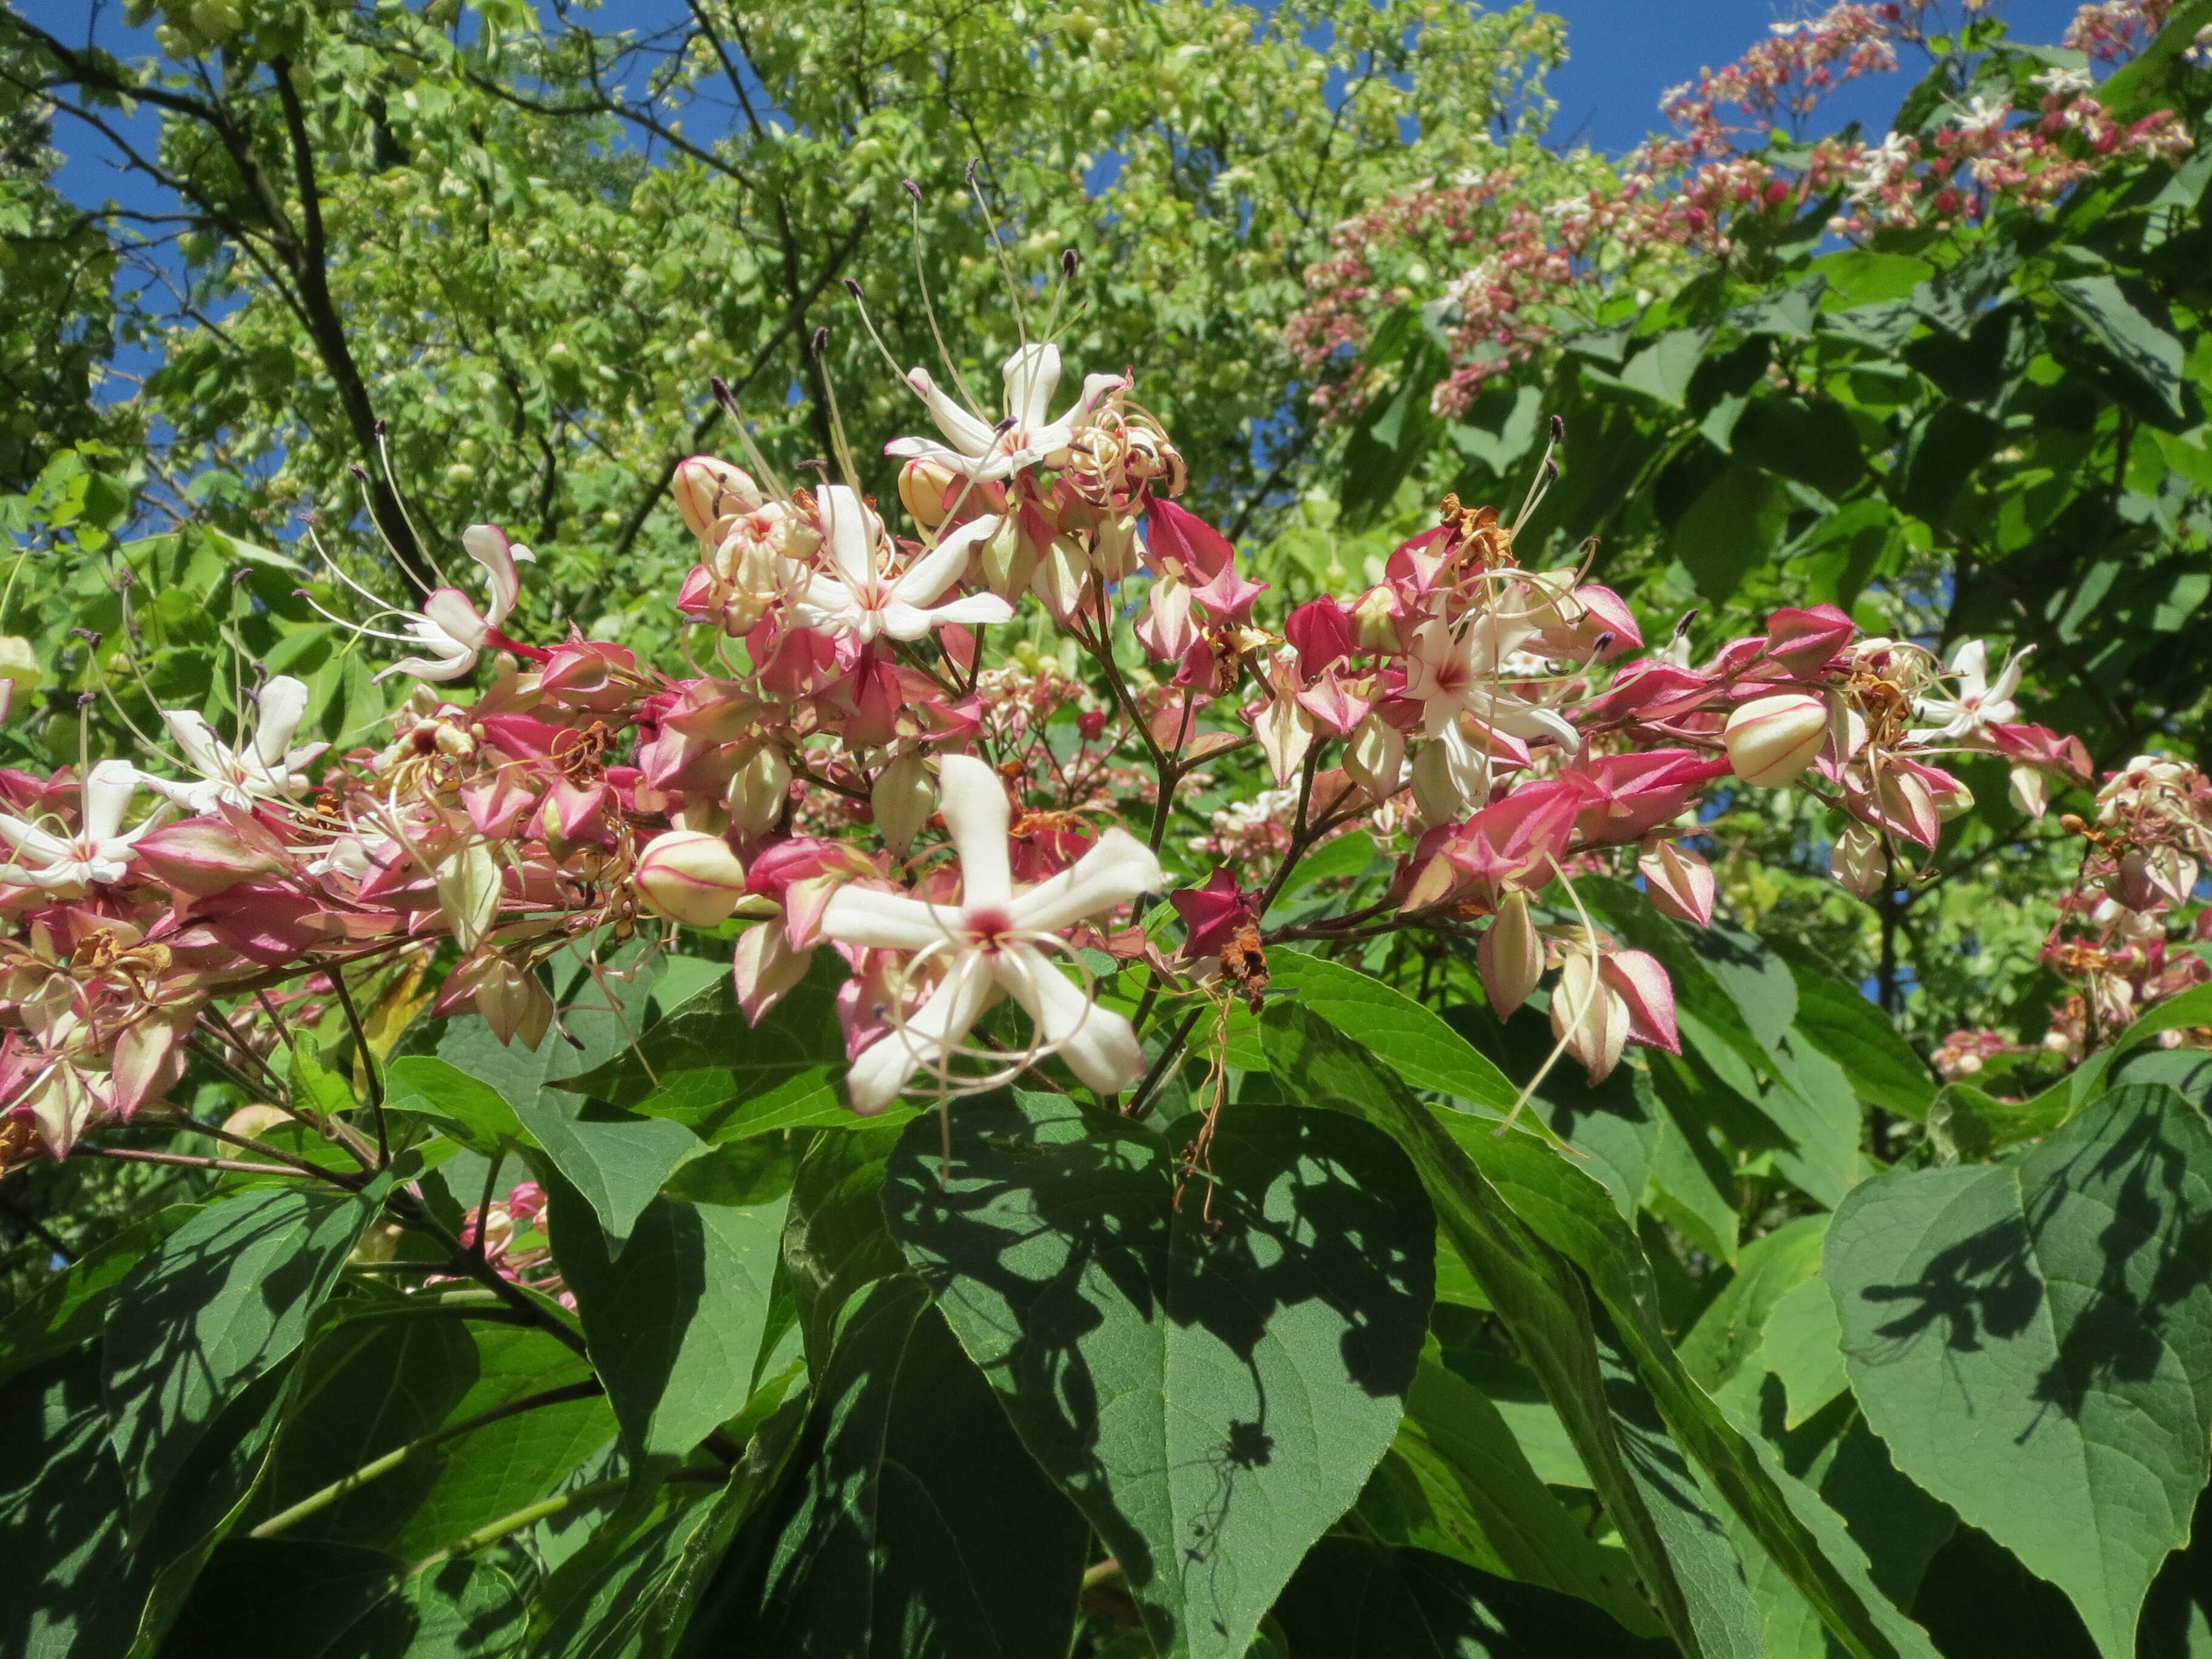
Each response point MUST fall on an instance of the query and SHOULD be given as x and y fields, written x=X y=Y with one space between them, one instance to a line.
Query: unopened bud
x=690 y=877
x=1009 y=562
x=1857 y=862
x=1436 y=794
x=926 y=486
x=1680 y=883
x=708 y=491
x=1588 y=1016
x=903 y=798
x=1377 y=756
x=1510 y=957
x=1770 y=740
x=2030 y=791
x=1374 y=620
x=513 y=1003
x=759 y=789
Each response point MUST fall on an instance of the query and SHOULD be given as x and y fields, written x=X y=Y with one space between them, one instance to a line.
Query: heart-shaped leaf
x=1211 y=1370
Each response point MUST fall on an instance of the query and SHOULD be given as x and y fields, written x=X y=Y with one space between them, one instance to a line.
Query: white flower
x=100 y=852
x=1455 y=674
x=987 y=944
x=267 y=768
x=449 y=627
x=1027 y=436
x=858 y=595
x=2065 y=82
x=1981 y=702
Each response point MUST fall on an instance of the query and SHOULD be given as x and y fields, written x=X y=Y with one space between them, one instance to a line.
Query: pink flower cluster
x=1518 y=269
x=881 y=759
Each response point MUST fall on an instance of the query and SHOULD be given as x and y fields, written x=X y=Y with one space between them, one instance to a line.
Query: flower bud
x=758 y=791
x=1680 y=883
x=1510 y=957
x=690 y=877
x=2031 y=792
x=1770 y=740
x=708 y=491
x=1437 y=793
x=928 y=489
x=766 y=968
x=903 y=798
x=513 y=1003
x=1374 y=621
x=1588 y=1016
x=1008 y=561
x=1377 y=756
x=1857 y=862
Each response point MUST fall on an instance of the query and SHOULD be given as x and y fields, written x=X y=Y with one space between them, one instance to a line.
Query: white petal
x=968 y=434
x=1118 y=869
x=903 y=622
x=851 y=530
x=203 y=751
x=975 y=810
x=450 y=614
x=887 y=921
x=937 y=569
x=881 y=1073
x=487 y=545
x=1032 y=375
x=107 y=791
x=1098 y=1044
x=280 y=707
x=29 y=838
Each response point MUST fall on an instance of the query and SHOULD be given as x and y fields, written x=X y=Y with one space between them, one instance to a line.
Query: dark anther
x=911 y=188
x=1069 y=260
x=820 y=343
x=853 y=287
x=1558 y=429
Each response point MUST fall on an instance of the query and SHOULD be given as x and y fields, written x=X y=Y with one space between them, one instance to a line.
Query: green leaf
x=1858 y=1037
x=1212 y=1400
x=2034 y=1342
x=470 y=1110
x=1414 y=1040
x=617 y=1161
x=73 y=1588
x=912 y=1521
x=675 y=1321
x=1457 y=1482
x=396 y=1375
x=836 y=1244
x=1735 y=522
x=1726 y=1337
x=70 y=1308
x=2140 y=354
x=282 y=1597
x=214 y=1306
x=1662 y=369
x=1354 y=1598
x=1572 y=1214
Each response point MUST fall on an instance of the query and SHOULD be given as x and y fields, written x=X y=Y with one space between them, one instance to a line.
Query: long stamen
x=999 y=252
x=929 y=308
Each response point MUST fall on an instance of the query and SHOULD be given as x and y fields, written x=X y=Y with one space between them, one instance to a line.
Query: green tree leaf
x=1415 y=1040
x=2034 y=1342
x=214 y=1306
x=912 y=1521
x=675 y=1321
x=1210 y=1400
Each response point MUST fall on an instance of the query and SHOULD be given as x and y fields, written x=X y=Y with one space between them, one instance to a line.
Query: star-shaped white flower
x=269 y=768
x=988 y=944
x=99 y=853
x=449 y=628
x=1458 y=673
x=1981 y=702
x=860 y=595
x=974 y=448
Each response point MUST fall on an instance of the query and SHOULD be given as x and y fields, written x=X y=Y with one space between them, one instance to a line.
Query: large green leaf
x=913 y=1522
x=214 y=1306
x=1457 y=1482
x=1355 y=1599
x=1474 y=1173
x=2143 y=357
x=1211 y=1377
x=395 y=1376
x=73 y=1588
x=286 y=1599
x=1415 y=1040
x=619 y=1161
x=674 y=1322
x=835 y=1243
x=466 y=1108
x=70 y=1308
x=2034 y=1342
x=1860 y=1037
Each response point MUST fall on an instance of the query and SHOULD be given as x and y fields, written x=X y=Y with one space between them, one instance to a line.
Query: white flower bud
x=758 y=789
x=928 y=489
x=1510 y=957
x=710 y=492
x=690 y=877
x=903 y=798
x=1857 y=862
x=1770 y=740
x=1437 y=793
x=1375 y=757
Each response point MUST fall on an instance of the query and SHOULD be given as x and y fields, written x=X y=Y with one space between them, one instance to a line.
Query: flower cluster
x=1509 y=270
x=883 y=762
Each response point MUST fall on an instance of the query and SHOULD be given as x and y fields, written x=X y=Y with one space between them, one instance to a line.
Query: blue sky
x=1623 y=54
